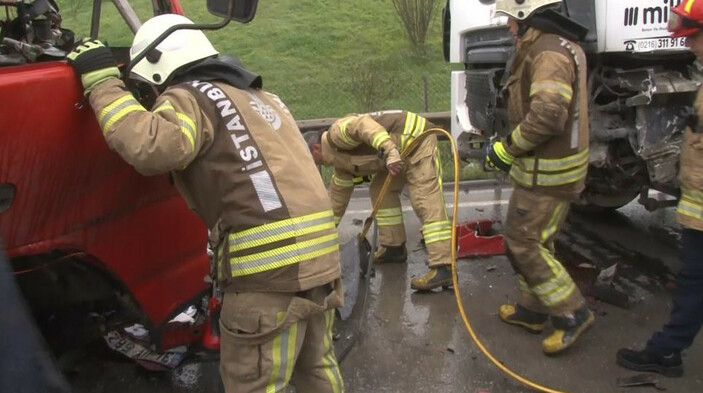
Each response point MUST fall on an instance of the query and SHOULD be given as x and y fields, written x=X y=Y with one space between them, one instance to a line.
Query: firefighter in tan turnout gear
x=238 y=158
x=546 y=155
x=370 y=144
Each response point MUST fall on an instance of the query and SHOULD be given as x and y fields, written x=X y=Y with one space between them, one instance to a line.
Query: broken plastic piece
x=640 y=380
x=186 y=316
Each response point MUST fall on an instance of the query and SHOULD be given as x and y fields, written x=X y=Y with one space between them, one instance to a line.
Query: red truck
x=92 y=243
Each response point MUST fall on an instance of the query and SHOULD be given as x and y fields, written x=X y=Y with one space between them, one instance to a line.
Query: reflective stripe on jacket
x=548 y=110
x=240 y=162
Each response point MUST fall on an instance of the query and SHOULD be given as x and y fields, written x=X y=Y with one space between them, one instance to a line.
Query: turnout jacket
x=548 y=115
x=239 y=160
x=355 y=145
x=689 y=212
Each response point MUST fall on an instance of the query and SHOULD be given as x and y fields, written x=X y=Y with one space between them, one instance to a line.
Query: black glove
x=93 y=61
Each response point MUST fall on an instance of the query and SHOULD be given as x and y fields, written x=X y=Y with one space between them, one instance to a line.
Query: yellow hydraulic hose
x=455 y=279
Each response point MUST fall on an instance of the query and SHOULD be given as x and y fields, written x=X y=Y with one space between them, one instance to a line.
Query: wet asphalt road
x=417 y=342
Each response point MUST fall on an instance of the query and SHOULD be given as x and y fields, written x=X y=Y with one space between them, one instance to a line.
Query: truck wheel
x=603 y=202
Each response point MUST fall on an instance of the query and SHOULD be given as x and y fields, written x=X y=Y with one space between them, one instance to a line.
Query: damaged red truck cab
x=91 y=241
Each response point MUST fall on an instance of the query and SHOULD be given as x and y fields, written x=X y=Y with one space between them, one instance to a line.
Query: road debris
x=640 y=380
x=147 y=358
x=186 y=316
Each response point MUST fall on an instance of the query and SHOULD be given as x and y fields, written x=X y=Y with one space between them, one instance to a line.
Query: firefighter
x=237 y=157
x=546 y=155
x=370 y=144
x=662 y=352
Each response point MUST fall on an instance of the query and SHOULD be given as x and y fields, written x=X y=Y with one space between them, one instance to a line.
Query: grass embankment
x=306 y=49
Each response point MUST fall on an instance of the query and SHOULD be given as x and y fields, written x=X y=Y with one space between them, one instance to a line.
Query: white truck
x=641 y=83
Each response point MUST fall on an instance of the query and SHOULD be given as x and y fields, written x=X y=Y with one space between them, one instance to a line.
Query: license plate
x=653 y=44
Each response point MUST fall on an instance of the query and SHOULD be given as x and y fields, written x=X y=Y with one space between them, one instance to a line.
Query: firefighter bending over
x=546 y=155
x=369 y=144
x=238 y=159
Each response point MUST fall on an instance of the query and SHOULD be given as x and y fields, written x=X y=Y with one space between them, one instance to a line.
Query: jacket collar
x=523 y=47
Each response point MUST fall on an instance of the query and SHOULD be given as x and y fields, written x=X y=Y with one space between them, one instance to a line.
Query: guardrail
x=440 y=119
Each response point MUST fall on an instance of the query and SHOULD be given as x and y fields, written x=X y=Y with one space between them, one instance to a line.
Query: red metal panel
x=73 y=193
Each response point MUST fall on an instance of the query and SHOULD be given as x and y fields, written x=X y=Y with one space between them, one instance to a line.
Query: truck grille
x=481 y=97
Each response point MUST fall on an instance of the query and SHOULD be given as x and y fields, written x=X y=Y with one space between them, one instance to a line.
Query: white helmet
x=180 y=48
x=521 y=9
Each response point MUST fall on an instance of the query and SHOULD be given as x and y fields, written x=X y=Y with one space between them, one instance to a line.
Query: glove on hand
x=393 y=162
x=499 y=158
x=93 y=61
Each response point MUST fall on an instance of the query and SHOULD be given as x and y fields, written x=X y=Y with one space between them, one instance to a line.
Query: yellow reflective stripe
x=118 y=109
x=689 y=208
x=390 y=216
x=558 y=288
x=280 y=356
x=689 y=6
x=187 y=127
x=344 y=183
x=166 y=106
x=438 y=237
x=522 y=176
x=520 y=141
x=502 y=153
x=381 y=137
x=186 y=124
x=290 y=228
x=346 y=139
x=274 y=226
x=329 y=361
x=420 y=127
x=410 y=120
x=435 y=226
x=554 y=87
x=290 y=362
x=552 y=225
x=693 y=195
x=557 y=164
x=522 y=284
x=284 y=256
x=390 y=221
x=414 y=126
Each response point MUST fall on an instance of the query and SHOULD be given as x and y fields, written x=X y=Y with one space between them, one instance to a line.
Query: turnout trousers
x=270 y=339
x=686 y=316
x=534 y=219
x=423 y=175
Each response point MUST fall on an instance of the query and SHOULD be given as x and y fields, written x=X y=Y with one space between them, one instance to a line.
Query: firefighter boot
x=391 y=254
x=529 y=320
x=437 y=277
x=567 y=329
x=647 y=360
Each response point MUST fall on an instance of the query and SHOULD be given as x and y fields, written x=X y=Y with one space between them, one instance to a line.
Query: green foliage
x=305 y=51
x=303 y=48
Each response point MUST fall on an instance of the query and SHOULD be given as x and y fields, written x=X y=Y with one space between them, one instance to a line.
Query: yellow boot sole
x=554 y=344
x=508 y=310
